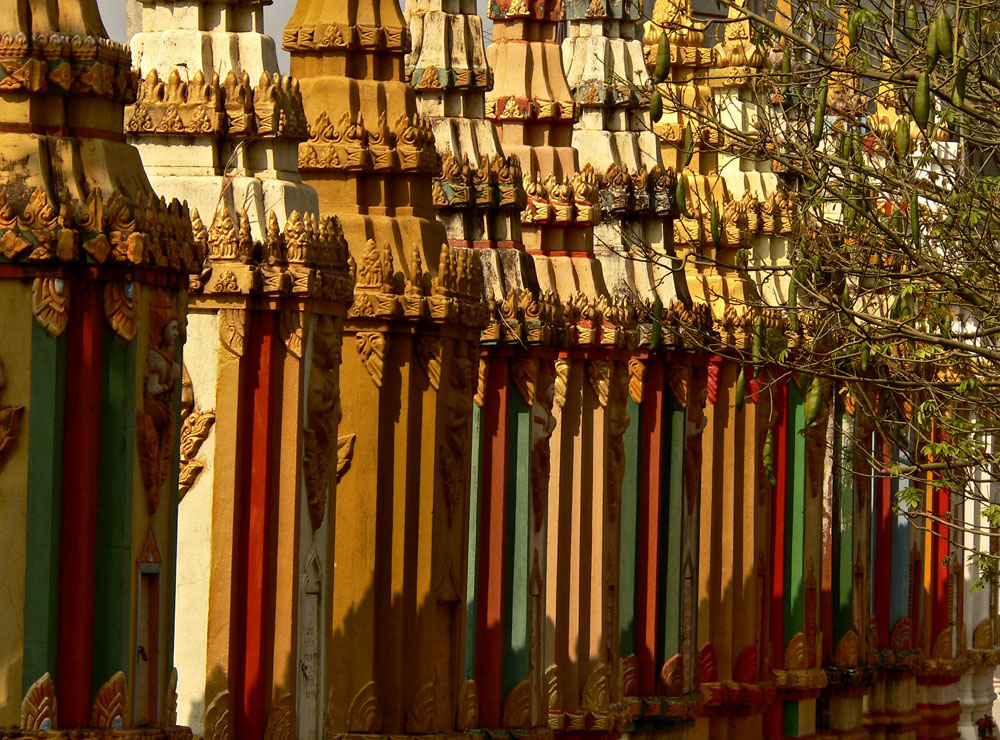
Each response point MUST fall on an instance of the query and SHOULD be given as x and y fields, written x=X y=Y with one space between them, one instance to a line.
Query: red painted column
x=650 y=498
x=883 y=548
x=774 y=714
x=258 y=529
x=492 y=529
x=78 y=536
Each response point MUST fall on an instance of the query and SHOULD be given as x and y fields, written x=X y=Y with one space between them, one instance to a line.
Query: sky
x=275 y=18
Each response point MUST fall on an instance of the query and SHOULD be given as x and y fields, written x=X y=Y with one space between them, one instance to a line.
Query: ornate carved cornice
x=348 y=144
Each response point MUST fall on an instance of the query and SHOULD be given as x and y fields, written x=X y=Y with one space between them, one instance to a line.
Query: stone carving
x=429 y=351
x=345 y=453
x=110 y=710
x=195 y=426
x=453 y=449
x=154 y=422
x=171 y=718
x=468 y=706
x=420 y=718
x=232 y=329
x=517 y=707
x=219 y=718
x=672 y=676
x=372 y=346
x=38 y=708
x=365 y=713
x=10 y=422
x=50 y=304
x=543 y=424
x=322 y=416
x=636 y=378
x=281 y=720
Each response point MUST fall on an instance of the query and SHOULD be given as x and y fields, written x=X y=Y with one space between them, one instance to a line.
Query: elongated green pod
x=793 y=302
x=824 y=89
x=945 y=35
x=656 y=106
x=680 y=196
x=854 y=27
x=767 y=455
x=866 y=356
x=915 y=220
x=961 y=73
x=716 y=230
x=902 y=138
x=688 y=144
x=931 y=49
x=656 y=335
x=662 y=69
x=814 y=401
x=786 y=66
x=922 y=100
x=844 y=145
x=741 y=388
x=912 y=24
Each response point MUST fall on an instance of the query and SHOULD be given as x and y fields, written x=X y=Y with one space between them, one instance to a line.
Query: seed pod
x=814 y=401
x=866 y=355
x=741 y=388
x=662 y=69
x=716 y=232
x=961 y=72
x=911 y=19
x=922 y=100
x=786 y=66
x=767 y=455
x=793 y=302
x=824 y=88
x=757 y=347
x=688 y=144
x=854 y=26
x=681 y=197
x=914 y=220
x=931 y=49
x=902 y=138
x=845 y=297
x=843 y=145
x=656 y=336
x=656 y=106
x=945 y=37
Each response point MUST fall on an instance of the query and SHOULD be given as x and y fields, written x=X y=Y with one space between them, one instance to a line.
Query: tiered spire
x=479 y=195
x=389 y=659
x=93 y=273
x=209 y=75
x=606 y=71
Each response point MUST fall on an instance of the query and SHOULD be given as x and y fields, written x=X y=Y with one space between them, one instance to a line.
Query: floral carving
x=120 y=308
x=195 y=426
x=365 y=712
x=420 y=718
x=322 y=416
x=219 y=718
x=38 y=709
x=372 y=346
x=110 y=710
x=50 y=304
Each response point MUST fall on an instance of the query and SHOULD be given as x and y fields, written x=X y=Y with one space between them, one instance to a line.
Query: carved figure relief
x=154 y=422
x=320 y=446
x=195 y=426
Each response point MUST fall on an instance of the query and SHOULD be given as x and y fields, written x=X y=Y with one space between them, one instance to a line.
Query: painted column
x=93 y=284
x=395 y=627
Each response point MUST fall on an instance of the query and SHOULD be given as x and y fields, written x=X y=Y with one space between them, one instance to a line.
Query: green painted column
x=516 y=566
x=671 y=544
x=113 y=567
x=475 y=497
x=45 y=450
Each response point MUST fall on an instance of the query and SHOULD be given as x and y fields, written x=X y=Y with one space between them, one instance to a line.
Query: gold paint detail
x=517 y=707
x=219 y=718
x=232 y=329
x=846 y=654
x=365 y=713
x=39 y=706
x=942 y=648
x=372 y=346
x=155 y=420
x=320 y=445
x=561 y=382
x=636 y=378
x=195 y=426
x=50 y=304
x=420 y=718
x=982 y=636
x=110 y=709
x=120 y=309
